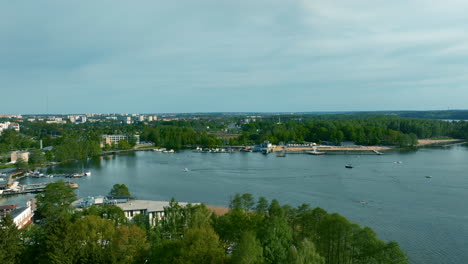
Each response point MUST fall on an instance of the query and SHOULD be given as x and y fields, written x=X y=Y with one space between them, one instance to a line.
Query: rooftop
x=150 y=206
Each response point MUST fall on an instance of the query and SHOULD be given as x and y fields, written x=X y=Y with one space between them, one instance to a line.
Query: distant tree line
x=179 y=137
x=377 y=130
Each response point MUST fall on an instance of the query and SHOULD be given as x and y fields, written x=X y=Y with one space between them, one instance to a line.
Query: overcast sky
x=232 y=55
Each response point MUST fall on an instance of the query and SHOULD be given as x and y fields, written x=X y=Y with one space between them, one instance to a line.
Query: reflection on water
x=425 y=215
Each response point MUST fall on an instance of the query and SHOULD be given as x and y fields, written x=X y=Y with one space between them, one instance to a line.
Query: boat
x=428 y=177
x=72 y=184
x=314 y=152
x=88 y=173
x=185 y=170
x=349 y=166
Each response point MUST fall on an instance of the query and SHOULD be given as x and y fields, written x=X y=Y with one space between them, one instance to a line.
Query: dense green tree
x=93 y=236
x=10 y=241
x=36 y=159
x=305 y=253
x=106 y=211
x=129 y=245
x=201 y=246
x=262 y=205
x=248 y=250
x=21 y=164
x=56 y=200
x=123 y=144
x=120 y=190
x=276 y=238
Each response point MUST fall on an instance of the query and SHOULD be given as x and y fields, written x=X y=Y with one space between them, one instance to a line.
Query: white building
x=22 y=216
x=153 y=209
x=9 y=125
x=109 y=139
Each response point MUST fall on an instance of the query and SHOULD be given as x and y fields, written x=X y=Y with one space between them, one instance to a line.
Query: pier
x=65 y=175
x=31 y=188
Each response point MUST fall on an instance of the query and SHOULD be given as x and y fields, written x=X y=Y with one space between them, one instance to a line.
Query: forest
x=253 y=231
x=377 y=130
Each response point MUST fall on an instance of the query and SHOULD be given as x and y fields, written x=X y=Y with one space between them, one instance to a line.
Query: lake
x=427 y=216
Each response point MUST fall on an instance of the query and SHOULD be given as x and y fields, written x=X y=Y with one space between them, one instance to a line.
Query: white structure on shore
x=9 y=125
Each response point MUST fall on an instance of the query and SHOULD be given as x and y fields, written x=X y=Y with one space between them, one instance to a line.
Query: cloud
x=114 y=53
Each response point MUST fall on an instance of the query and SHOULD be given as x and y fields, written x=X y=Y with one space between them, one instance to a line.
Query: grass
x=6 y=166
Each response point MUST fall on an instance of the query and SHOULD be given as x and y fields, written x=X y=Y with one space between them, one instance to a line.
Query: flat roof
x=150 y=206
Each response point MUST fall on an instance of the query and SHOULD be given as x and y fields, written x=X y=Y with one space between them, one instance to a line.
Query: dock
x=64 y=175
x=32 y=188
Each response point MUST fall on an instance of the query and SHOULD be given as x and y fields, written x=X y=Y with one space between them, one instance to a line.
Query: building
x=9 y=125
x=109 y=139
x=15 y=155
x=153 y=209
x=7 y=209
x=22 y=216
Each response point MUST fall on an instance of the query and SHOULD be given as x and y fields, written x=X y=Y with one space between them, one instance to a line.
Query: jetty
x=64 y=175
x=30 y=188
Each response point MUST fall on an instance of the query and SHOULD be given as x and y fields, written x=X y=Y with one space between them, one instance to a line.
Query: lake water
x=427 y=216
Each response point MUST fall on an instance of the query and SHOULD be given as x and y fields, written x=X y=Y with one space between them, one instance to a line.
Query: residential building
x=9 y=125
x=22 y=216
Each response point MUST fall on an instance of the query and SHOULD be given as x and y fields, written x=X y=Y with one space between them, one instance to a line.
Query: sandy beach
x=421 y=142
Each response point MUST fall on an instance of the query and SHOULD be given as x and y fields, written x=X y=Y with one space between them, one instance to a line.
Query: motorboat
x=349 y=166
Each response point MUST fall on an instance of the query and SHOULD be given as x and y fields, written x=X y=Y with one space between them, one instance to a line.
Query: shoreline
x=361 y=148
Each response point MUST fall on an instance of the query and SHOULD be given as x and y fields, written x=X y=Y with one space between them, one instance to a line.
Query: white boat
x=88 y=173
x=314 y=152
x=186 y=170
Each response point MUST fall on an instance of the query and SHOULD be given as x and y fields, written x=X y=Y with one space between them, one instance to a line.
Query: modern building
x=109 y=139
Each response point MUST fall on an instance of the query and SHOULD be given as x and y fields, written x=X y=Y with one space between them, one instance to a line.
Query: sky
x=116 y=56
